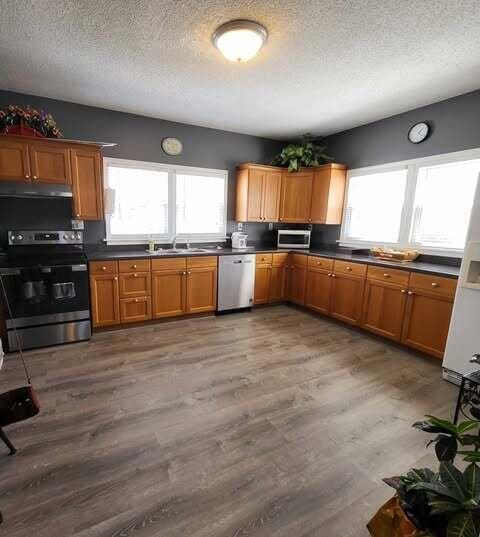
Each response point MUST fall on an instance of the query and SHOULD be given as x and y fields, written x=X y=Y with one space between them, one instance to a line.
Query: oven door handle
x=9 y=272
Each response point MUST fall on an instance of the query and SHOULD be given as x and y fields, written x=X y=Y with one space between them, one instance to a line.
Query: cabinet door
x=201 y=289
x=277 y=284
x=50 y=162
x=105 y=299
x=346 y=299
x=320 y=188
x=328 y=192
x=262 y=283
x=14 y=162
x=296 y=197
x=169 y=293
x=255 y=195
x=297 y=280
x=87 y=184
x=135 y=284
x=426 y=324
x=134 y=310
x=319 y=286
x=384 y=308
x=272 y=186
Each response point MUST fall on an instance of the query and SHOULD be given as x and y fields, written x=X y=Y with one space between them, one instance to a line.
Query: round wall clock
x=419 y=132
x=172 y=146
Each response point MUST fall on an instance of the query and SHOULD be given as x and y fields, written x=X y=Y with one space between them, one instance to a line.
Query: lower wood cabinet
x=346 y=298
x=105 y=299
x=263 y=275
x=296 y=279
x=270 y=277
x=201 y=289
x=384 y=309
x=134 y=310
x=169 y=293
x=319 y=289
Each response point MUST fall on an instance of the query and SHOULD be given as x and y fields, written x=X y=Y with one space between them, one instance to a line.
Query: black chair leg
x=5 y=438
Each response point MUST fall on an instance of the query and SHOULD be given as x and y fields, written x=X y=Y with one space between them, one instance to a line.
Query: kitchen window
x=423 y=204
x=145 y=201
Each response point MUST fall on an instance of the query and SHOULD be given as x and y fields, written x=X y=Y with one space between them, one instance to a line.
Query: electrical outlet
x=239 y=226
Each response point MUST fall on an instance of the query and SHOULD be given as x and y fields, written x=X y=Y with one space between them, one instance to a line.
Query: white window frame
x=412 y=166
x=172 y=171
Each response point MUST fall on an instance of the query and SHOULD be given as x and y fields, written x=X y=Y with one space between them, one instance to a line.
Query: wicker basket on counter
x=395 y=255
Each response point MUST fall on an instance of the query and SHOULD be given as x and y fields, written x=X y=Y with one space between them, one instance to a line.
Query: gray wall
x=138 y=138
x=455 y=126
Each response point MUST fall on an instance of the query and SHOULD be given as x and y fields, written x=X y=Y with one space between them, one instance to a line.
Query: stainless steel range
x=44 y=289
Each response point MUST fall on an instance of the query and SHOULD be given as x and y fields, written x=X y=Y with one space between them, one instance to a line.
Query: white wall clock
x=419 y=132
x=172 y=146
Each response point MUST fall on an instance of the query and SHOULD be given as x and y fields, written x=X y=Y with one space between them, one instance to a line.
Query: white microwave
x=293 y=238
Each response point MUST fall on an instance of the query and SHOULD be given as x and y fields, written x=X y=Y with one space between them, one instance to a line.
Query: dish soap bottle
x=151 y=246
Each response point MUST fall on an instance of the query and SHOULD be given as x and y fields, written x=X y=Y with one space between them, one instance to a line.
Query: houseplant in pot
x=437 y=503
x=304 y=154
x=27 y=121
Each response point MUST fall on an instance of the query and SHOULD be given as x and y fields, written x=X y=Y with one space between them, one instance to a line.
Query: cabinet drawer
x=103 y=267
x=135 y=284
x=172 y=263
x=388 y=275
x=299 y=259
x=202 y=261
x=133 y=310
x=433 y=284
x=345 y=267
x=134 y=265
x=320 y=263
x=263 y=259
x=279 y=259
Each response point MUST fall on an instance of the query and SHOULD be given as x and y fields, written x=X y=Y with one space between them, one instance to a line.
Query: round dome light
x=239 y=40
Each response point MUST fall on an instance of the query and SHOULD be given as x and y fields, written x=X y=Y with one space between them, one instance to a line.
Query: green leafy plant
x=305 y=154
x=445 y=503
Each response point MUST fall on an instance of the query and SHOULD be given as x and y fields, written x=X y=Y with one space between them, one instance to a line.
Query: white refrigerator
x=464 y=335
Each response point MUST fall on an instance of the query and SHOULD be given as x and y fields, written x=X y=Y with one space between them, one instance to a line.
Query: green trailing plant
x=445 y=503
x=305 y=154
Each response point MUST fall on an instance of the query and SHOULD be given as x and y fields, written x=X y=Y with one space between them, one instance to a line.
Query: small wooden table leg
x=5 y=438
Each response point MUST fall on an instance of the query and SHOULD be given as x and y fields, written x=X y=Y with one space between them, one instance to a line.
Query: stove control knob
x=72 y=236
x=78 y=236
x=65 y=236
x=19 y=238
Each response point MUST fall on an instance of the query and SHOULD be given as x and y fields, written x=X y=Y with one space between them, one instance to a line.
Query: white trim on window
x=412 y=166
x=172 y=170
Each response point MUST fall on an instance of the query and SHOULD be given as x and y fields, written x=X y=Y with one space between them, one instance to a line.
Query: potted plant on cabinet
x=305 y=154
x=445 y=503
x=27 y=121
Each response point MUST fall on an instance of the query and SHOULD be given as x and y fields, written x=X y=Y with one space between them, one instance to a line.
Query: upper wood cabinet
x=87 y=184
x=328 y=192
x=14 y=160
x=271 y=194
x=50 y=162
x=258 y=193
x=296 y=196
x=55 y=162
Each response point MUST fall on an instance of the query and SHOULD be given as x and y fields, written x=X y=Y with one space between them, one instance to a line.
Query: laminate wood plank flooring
x=270 y=423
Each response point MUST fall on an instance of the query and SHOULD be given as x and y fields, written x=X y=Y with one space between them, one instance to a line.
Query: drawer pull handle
x=386 y=275
x=104 y=268
x=134 y=266
x=349 y=268
x=135 y=275
x=434 y=284
x=403 y=291
x=410 y=293
x=136 y=300
x=319 y=262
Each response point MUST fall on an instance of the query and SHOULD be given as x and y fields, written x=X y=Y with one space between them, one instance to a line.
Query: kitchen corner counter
x=414 y=266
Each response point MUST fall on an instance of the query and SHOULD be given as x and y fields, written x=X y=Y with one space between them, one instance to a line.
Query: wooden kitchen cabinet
x=134 y=310
x=87 y=183
x=278 y=277
x=328 y=191
x=348 y=282
x=270 y=272
x=384 y=301
x=263 y=275
x=168 y=293
x=105 y=299
x=296 y=196
x=14 y=160
x=258 y=193
x=428 y=313
x=135 y=284
x=319 y=284
x=50 y=162
x=201 y=289
x=296 y=278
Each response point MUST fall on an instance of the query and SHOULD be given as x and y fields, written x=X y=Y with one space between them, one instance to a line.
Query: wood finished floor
x=274 y=423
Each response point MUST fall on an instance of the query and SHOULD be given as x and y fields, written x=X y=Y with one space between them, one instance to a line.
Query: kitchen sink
x=168 y=251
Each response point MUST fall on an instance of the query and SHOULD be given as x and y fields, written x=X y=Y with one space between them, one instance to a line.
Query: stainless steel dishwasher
x=236 y=281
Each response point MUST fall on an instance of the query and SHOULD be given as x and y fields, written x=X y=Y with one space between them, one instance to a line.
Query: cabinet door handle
x=386 y=275
x=349 y=269
x=434 y=284
x=329 y=274
x=189 y=271
x=134 y=267
x=403 y=291
x=135 y=275
x=104 y=268
x=34 y=177
x=78 y=215
x=27 y=176
x=410 y=293
x=333 y=276
x=115 y=278
x=136 y=300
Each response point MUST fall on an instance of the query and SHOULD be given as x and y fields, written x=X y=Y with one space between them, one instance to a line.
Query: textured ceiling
x=328 y=65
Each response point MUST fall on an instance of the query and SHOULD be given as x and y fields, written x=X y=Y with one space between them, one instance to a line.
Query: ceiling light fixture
x=239 y=40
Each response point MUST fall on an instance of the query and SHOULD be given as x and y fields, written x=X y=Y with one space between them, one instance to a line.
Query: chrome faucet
x=188 y=243
x=174 y=243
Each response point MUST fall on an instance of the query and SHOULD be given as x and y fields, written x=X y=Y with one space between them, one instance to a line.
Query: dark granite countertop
x=415 y=266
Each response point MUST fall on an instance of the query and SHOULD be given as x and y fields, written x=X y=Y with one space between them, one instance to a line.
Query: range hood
x=24 y=189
